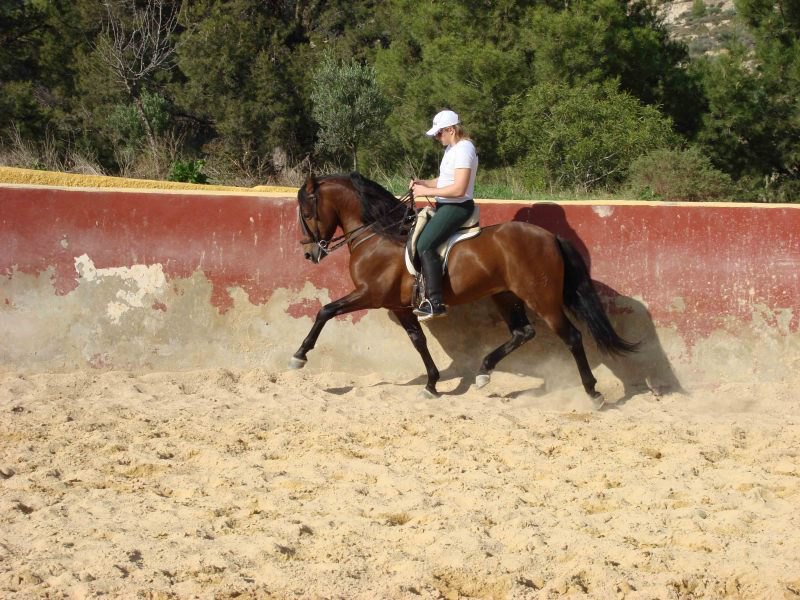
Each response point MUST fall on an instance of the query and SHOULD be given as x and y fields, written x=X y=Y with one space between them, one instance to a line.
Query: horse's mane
x=380 y=208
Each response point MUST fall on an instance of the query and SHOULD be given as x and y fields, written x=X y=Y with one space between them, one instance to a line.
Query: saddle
x=469 y=229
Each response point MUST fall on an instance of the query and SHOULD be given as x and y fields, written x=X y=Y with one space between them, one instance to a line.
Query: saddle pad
x=468 y=230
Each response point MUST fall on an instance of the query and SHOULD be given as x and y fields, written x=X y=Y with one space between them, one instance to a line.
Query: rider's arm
x=425 y=182
x=455 y=190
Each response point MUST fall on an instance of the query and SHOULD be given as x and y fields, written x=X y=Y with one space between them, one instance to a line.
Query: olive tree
x=347 y=105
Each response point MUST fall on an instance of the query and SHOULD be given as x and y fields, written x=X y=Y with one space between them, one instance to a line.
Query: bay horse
x=520 y=265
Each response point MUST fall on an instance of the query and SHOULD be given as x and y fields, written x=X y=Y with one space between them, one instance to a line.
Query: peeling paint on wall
x=138 y=284
x=603 y=211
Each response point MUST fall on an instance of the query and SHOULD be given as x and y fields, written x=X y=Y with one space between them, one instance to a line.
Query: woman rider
x=454 y=204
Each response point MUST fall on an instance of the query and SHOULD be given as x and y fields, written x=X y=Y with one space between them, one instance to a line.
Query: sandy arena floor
x=253 y=484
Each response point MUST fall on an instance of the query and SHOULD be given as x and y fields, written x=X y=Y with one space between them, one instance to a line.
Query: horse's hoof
x=428 y=395
x=598 y=401
x=482 y=380
x=654 y=388
x=297 y=363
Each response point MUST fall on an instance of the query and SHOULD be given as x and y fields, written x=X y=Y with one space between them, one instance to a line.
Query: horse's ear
x=310 y=186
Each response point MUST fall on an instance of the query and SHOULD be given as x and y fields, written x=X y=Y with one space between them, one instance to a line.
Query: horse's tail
x=581 y=297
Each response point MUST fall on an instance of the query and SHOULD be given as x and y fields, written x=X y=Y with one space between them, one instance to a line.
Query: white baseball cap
x=446 y=118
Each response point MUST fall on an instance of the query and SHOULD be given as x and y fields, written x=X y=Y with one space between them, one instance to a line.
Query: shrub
x=582 y=138
x=698 y=9
x=769 y=189
x=787 y=190
x=188 y=171
x=674 y=175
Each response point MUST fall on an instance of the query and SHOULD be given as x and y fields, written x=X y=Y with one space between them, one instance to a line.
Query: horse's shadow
x=472 y=331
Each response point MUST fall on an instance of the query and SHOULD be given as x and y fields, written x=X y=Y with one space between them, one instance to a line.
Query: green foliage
x=781 y=190
x=735 y=133
x=244 y=68
x=769 y=189
x=556 y=95
x=597 y=41
x=667 y=174
x=752 y=124
x=37 y=43
x=188 y=171
x=19 y=107
x=156 y=111
x=126 y=127
x=469 y=77
x=583 y=137
x=461 y=55
x=698 y=9
x=347 y=104
x=780 y=18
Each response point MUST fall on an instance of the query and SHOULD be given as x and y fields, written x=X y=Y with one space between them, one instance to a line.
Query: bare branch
x=136 y=42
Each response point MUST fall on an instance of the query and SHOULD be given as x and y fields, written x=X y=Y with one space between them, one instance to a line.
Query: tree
x=37 y=44
x=347 y=104
x=580 y=138
x=474 y=56
x=595 y=41
x=234 y=82
x=245 y=81
x=772 y=17
x=735 y=133
x=135 y=44
x=19 y=24
x=463 y=55
x=751 y=128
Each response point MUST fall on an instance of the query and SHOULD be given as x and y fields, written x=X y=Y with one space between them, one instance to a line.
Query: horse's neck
x=349 y=214
x=349 y=223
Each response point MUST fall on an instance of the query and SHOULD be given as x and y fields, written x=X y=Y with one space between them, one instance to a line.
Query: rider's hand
x=417 y=188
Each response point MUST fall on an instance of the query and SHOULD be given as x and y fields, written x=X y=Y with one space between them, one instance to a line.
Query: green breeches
x=443 y=224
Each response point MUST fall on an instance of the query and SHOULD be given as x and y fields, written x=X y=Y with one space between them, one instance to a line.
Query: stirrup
x=427 y=310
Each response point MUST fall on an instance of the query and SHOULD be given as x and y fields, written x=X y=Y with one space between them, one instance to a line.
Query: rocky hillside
x=703 y=25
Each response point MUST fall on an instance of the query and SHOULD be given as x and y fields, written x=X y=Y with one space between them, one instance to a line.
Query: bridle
x=324 y=245
x=337 y=242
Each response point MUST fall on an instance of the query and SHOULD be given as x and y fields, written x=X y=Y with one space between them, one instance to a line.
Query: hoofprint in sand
x=258 y=484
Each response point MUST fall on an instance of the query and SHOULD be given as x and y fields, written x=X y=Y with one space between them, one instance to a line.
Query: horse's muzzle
x=314 y=254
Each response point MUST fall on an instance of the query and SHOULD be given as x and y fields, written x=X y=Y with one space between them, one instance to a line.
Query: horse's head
x=318 y=220
x=362 y=208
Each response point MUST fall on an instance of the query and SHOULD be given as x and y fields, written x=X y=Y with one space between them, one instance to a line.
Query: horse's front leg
x=411 y=324
x=355 y=300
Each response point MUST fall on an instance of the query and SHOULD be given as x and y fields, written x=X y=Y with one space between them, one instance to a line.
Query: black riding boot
x=432 y=306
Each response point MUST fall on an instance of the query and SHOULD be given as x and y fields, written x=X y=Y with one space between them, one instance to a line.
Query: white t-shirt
x=461 y=155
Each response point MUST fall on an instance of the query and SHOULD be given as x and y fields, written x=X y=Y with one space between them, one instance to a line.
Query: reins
x=348 y=236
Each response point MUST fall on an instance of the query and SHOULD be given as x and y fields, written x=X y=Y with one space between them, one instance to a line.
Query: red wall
x=697 y=268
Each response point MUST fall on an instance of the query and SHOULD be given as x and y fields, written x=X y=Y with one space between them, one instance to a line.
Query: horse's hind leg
x=512 y=309
x=411 y=324
x=574 y=340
